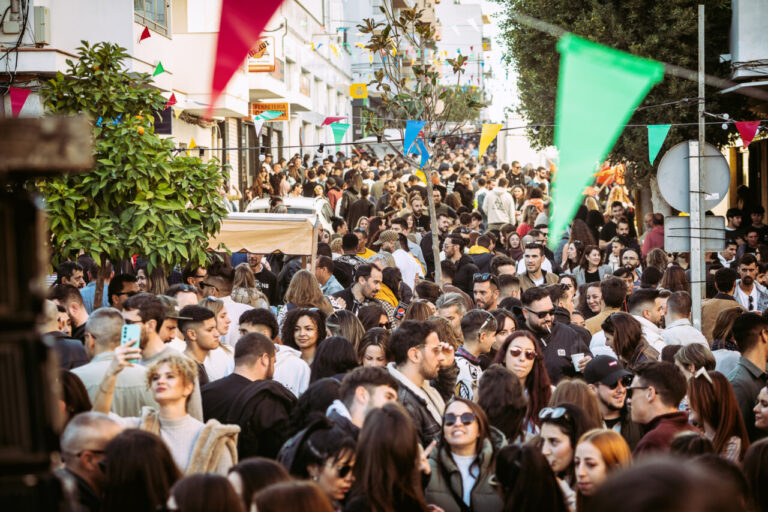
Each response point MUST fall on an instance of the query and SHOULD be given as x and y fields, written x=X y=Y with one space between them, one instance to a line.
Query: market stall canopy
x=265 y=233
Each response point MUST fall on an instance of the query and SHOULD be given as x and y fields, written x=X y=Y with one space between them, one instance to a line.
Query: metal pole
x=696 y=159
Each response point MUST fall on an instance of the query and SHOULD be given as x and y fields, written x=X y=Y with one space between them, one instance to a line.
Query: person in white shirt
x=679 y=330
x=396 y=244
x=647 y=308
x=499 y=206
x=728 y=256
x=749 y=293
x=219 y=284
x=478 y=328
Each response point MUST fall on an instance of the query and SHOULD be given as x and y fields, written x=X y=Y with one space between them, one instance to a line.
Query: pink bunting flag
x=18 y=99
x=332 y=119
x=171 y=101
x=747 y=130
x=145 y=34
x=240 y=27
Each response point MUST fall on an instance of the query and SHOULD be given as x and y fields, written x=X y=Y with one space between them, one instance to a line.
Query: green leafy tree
x=416 y=92
x=138 y=198
x=664 y=31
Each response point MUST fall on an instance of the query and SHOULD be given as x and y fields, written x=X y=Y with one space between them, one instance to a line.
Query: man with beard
x=444 y=223
x=609 y=230
x=534 y=275
x=749 y=293
x=266 y=281
x=465 y=265
x=363 y=389
x=420 y=221
x=648 y=308
x=558 y=341
x=486 y=291
x=609 y=381
x=630 y=259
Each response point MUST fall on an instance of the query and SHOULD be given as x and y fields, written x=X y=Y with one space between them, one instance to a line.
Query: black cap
x=604 y=369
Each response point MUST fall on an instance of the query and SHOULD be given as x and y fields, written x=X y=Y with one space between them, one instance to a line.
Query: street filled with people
x=508 y=371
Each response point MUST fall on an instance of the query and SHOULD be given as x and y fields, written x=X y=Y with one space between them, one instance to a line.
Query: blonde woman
x=196 y=447
x=304 y=293
x=244 y=289
x=220 y=361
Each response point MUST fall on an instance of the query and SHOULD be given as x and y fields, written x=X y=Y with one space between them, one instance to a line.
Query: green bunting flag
x=597 y=91
x=657 y=134
x=159 y=69
x=339 y=129
x=269 y=114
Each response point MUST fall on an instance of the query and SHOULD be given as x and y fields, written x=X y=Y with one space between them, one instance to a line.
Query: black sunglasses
x=625 y=381
x=466 y=418
x=209 y=285
x=541 y=314
x=387 y=325
x=486 y=276
x=129 y=294
x=343 y=471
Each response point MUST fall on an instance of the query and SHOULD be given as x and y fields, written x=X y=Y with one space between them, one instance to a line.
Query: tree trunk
x=433 y=225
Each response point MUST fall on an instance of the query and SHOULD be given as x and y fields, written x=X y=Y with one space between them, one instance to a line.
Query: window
x=152 y=14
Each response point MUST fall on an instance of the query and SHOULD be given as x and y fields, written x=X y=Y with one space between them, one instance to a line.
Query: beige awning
x=265 y=233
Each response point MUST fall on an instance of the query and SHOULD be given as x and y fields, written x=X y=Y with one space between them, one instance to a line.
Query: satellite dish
x=674 y=182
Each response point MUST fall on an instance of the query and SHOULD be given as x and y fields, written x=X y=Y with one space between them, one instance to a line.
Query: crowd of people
x=524 y=378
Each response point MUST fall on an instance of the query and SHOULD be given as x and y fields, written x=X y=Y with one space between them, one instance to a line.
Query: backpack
x=261 y=410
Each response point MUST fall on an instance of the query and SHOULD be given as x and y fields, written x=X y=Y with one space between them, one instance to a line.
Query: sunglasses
x=209 y=285
x=342 y=471
x=624 y=381
x=387 y=325
x=541 y=314
x=466 y=418
x=529 y=354
x=129 y=294
x=487 y=276
x=553 y=413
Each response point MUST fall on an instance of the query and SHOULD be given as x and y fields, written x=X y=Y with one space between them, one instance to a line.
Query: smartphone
x=130 y=335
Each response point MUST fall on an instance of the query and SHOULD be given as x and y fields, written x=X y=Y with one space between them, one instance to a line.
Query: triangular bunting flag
x=423 y=151
x=159 y=69
x=657 y=134
x=747 y=130
x=192 y=145
x=98 y=122
x=145 y=34
x=412 y=129
x=257 y=125
x=420 y=174
x=18 y=99
x=240 y=25
x=177 y=112
x=605 y=86
x=339 y=129
x=117 y=120
x=171 y=101
x=487 y=135
x=332 y=119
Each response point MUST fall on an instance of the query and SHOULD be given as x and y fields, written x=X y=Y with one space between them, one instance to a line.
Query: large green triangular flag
x=339 y=129
x=159 y=69
x=597 y=91
x=657 y=134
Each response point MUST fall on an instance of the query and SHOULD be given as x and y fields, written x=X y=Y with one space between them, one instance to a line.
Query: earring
x=314 y=478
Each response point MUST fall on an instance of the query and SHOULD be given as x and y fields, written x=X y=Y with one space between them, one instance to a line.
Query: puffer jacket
x=445 y=488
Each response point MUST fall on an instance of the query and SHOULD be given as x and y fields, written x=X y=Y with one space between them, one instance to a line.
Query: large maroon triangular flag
x=332 y=119
x=241 y=24
x=18 y=99
x=171 y=101
x=747 y=130
x=145 y=34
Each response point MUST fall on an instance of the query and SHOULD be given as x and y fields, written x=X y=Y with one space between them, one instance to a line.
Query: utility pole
x=696 y=163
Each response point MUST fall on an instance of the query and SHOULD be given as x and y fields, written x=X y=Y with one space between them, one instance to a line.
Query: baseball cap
x=387 y=236
x=604 y=369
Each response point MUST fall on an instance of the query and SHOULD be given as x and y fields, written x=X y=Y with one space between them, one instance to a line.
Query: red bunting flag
x=332 y=119
x=145 y=34
x=747 y=130
x=18 y=99
x=240 y=27
x=171 y=101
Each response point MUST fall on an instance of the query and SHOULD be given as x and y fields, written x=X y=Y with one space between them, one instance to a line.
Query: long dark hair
x=526 y=481
x=755 y=467
x=627 y=334
x=716 y=404
x=386 y=471
x=326 y=442
x=140 y=472
x=537 y=383
x=313 y=403
x=370 y=315
x=256 y=473
x=584 y=261
x=206 y=493
x=336 y=355
x=500 y=394
x=286 y=334
x=74 y=394
x=573 y=424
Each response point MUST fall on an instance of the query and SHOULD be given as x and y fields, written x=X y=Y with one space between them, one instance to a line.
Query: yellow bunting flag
x=177 y=112
x=420 y=174
x=370 y=59
x=335 y=50
x=358 y=91
x=192 y=145
x=486 y=137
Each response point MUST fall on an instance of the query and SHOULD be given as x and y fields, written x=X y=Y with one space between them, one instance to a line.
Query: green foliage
x=414 y=91
x=138 y=198
x=664 y=31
